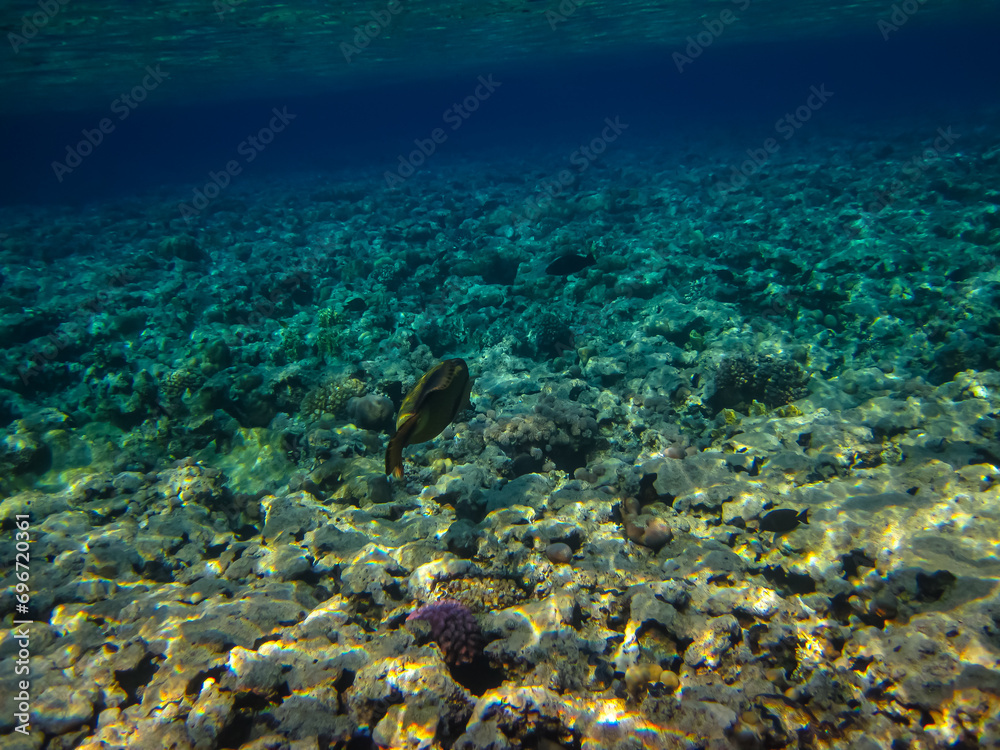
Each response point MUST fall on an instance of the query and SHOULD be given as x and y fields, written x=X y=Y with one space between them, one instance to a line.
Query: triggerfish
x=437 y=398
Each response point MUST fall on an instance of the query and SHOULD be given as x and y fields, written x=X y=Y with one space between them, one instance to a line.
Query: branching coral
x=330 y=337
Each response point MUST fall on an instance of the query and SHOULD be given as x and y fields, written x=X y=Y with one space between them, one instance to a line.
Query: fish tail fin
x=394 y=450
x=394 y=457
x=804 y=516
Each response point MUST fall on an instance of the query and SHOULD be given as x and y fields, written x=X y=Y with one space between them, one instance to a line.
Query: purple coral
x=453 y=628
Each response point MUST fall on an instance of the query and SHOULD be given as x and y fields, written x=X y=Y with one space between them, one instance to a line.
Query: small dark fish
x=570 y=263
x=357 y=304
x=783 y=519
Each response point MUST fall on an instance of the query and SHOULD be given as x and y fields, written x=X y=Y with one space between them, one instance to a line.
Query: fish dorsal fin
x=444 y=375
x=437 y=378
x=452 y=369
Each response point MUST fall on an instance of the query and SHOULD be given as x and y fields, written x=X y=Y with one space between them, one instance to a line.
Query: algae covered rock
x=182 y=246
x=371 y=412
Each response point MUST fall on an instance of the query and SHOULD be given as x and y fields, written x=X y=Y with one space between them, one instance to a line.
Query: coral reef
x=557 y=429
x=652 y=531
x=176 y=383
x=331 y=397
x=743 y=379
x=372 y=411
x=550 y=336
x=219 y=561
x=453 y=627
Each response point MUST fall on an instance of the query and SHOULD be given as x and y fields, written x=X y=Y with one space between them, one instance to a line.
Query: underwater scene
x=500 y=375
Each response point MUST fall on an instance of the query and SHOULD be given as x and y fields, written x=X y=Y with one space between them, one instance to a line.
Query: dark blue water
x=682 y=383
x=919 y=74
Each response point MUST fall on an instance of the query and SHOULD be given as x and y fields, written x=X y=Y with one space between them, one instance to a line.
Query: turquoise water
x=69 y=55
x=499 y=375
